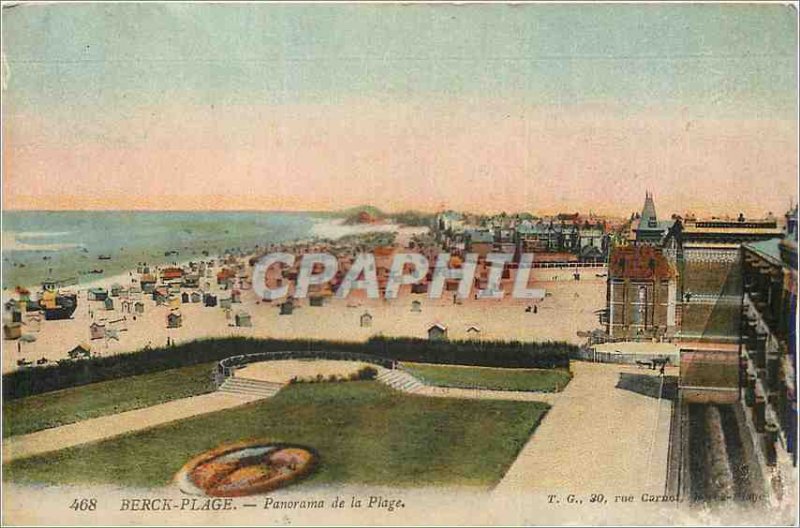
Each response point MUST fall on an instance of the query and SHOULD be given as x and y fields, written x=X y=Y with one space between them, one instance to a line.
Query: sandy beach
x=568 y=307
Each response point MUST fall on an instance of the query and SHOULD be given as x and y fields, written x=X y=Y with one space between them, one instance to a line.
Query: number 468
x=83 y=505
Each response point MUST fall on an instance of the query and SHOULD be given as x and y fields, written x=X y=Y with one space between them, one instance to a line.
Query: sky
x=486 y=108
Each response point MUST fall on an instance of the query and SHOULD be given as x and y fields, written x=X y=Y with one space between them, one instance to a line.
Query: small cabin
x=191 y=281
x=80 y=351
x=437 y=332
x=147 y=283
x=185 y=298
x=210 y=300
x=12 y=330
x=243 y=319
x=236 y=296
x=287 y=307
x=174 y=320
x=23 y=293
x=116 y=290
x=108 y=303
x=419 y=287
x=196 y=297
x=138 y=307
x=225 y=304
x=366 y=319
x=316 y=300
x=416 y=306
x=160 y=295
x=97 y=331
x=97 y=294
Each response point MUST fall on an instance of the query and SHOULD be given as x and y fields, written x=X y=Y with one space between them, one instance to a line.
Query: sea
x=84 y=246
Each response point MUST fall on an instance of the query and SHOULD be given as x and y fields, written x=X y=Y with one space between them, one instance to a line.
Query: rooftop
x=639 y=262
x=768 y=249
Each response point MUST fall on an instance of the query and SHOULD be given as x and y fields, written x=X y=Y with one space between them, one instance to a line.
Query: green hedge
x=509 y=354
x=27 y=382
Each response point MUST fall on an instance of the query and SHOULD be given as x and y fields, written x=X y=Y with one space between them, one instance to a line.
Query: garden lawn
x=512 y=379
x=52 y=409
x=363 y=431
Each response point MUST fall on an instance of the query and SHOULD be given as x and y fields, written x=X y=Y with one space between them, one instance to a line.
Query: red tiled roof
x=639 y=262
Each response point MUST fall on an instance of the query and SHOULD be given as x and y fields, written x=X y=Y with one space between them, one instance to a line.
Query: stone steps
x=400 y=380
x=250 y=387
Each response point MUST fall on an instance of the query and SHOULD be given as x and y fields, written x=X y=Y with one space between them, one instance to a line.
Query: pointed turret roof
x=649 y=219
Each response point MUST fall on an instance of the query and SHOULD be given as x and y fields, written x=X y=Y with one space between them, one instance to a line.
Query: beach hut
x=209 y=300
x=108 y=303
x=236 y=296
x=419 y=287
x=97 y=294
x=366 y=320
x=416 y=306
x=116 y=290
x=171 y=274
x=185 y=298
x=126 y=307
x=437 y=332
x=287 y=307
x=174 y=320
x=97 y=331
x=316 y=300
x=24 y=294
x=138 y=307
x=225 y=304
x=160 y=295
x=225 y=277
x=12 y=330
x=243 y=319
x=191 y=281
x=196 y=297
x=11 y=306
x=81 y=351
x=147 y=283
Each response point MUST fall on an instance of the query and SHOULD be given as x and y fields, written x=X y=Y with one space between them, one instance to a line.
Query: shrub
x=367 y=373
x=66 y=373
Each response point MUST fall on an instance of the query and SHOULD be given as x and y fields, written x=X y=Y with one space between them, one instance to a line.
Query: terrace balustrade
x=759 y=412
x=773 y=371
x=758 y=353
x=750 y=390
x=771 y=430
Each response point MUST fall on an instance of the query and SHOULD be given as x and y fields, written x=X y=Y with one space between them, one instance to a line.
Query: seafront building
x=768 y=352
x=641 y=294
x=560 y=240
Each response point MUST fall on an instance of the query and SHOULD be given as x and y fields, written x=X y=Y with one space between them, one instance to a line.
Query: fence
x=569 y=265
x=226 y=367
x=588 y=354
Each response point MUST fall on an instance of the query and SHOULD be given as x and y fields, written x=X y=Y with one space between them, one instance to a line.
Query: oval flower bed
x=245 y=468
